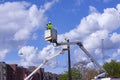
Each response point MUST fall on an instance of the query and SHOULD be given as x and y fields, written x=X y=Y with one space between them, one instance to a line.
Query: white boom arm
x=43 y=63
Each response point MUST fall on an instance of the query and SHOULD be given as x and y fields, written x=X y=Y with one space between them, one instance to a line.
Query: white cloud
x=109 y=20
x=90 y=65
x=92 y=9
x=94 y=40
x=115 y=38
x=79 y=56
x=118 y=7
x=47 y=51
x=114 y=56
x=90 y=31
x=3 y=53
x=95 y=27
x=48 y=5
x=29 y=55
x=51 y=64
x=32 y=56
x=19 y=35
x=118 y=51
x=18 y=21
x=87 y=25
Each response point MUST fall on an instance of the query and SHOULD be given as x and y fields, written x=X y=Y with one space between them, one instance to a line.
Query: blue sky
x=22 y=27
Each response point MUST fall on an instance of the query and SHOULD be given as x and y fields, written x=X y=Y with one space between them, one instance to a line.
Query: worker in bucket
x=49 y=26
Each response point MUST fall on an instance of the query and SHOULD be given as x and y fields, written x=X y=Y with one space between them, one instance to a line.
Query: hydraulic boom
x=43 y=63
x=85 y=51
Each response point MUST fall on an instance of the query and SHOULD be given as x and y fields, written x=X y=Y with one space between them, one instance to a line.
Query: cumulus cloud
x=79 y=56
x=108 y=20
x=18 y=21
x=115 y=38
x=3 y=53
x=28 y=54
x=95 y=27
x=48 y=5
x=90 y=31
x=46 y=52
x=32 y=56
x=92 y=9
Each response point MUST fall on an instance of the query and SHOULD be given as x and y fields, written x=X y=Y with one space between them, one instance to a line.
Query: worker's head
x=49 y=23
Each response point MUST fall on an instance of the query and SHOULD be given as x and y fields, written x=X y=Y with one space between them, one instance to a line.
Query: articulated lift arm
x=90 y=56
x=43 y=63
x=51 y=35
x=85 y=51
x=104 y=73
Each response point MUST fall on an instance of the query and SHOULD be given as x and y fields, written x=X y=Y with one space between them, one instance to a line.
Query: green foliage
x=76 y=75
x=112 y=68
x=64 y=76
